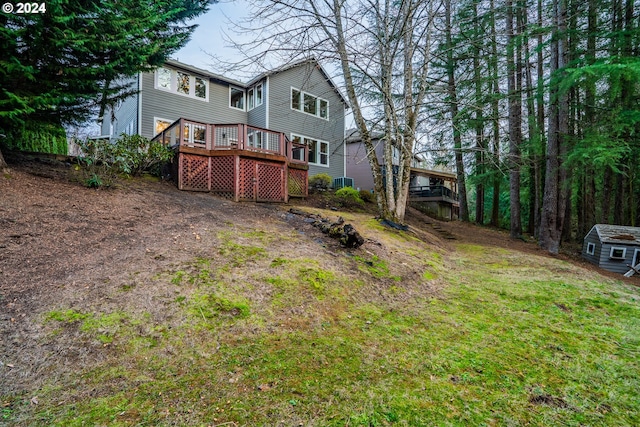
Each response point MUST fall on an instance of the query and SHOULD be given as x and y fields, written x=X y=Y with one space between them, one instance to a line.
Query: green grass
x=269 y=338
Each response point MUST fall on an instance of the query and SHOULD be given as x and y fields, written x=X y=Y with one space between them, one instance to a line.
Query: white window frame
x=591 y=248
x=173 y=85
x=317 y=153
x=636 y=257
x=615 y=248
x=189 y=134
x=244 y=98
x=253 y=100
x=301 y=103
x=160 y=119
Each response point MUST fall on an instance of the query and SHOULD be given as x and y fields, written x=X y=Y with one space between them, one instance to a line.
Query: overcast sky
x=210 y=34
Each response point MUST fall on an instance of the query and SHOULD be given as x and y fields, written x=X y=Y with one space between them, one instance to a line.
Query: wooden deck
x=236 y=161
x=433 y=193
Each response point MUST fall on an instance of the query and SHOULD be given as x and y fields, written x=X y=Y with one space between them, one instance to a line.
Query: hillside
x=144 y=305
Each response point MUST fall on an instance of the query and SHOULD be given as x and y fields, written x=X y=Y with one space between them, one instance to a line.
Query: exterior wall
x=282 y=118
x=126 y=115
x=603 y=250
x=358 y=166
x=616 y=265
x=258 y=115
x=440 y=210
x=171 y=106
x=592 y=237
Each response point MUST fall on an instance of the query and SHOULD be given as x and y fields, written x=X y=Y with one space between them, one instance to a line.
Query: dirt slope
x=64 y=245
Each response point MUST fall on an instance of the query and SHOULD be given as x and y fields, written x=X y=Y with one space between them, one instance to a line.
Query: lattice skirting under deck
x=254 y=180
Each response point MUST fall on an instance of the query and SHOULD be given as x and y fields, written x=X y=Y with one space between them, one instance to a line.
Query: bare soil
x=65 y=245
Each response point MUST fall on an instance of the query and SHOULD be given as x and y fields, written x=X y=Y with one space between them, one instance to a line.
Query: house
x=432 y=191
x=612 y=247
x=297 y=103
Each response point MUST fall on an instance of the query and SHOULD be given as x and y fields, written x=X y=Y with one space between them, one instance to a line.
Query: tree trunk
x=3 y=165
x=515 y=123
x=553 y=207
x=495 y=119
x=479 y=123
x=540 y=124
x=453 y=106
x=532 y=128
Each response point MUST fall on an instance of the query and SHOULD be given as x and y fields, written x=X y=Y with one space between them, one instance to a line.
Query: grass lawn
x=400 y=334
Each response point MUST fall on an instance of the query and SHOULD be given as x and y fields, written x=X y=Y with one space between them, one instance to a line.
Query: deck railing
x=433 y=191
x=238 y=136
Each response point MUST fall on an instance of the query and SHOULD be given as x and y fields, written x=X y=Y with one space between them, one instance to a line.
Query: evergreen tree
x=61 y=65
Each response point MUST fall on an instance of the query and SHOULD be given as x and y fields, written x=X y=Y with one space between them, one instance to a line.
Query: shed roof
x=618 y=234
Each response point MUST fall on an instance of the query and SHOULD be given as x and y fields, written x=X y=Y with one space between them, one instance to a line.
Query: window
x=194 y=134
x=255 y=138
x=295 y=99
x=181 y=83
x=591 y=248
x=164 y=78
x=236 y=98
x=324 y=109
x=617 y=253
x=323 y=153
x=318 y=150
x=254 y=97
x=636 y=257
x=309 y=104
x=259 y=95
x=160 y=124
x=201 y=88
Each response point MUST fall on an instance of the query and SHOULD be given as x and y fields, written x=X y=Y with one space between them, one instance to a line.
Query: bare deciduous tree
x=382 y=49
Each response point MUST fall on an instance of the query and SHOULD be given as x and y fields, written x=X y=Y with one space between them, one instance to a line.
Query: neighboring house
x=433 y=191
x=298 y=100
x=612 y=247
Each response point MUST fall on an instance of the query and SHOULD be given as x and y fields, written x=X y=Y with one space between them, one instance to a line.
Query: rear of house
x=612 y=247
x=299 y=100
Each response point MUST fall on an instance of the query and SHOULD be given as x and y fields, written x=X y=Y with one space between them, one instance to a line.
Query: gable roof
x=204 y=73
x=618 y=234
x=312 y=61
x=221 y=78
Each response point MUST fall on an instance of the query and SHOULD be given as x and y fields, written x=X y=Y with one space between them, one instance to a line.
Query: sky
x=210 y=34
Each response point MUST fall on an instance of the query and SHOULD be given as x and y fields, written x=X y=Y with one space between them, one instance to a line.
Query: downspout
x=344 y=145
x=139 y=104
x=268 y=95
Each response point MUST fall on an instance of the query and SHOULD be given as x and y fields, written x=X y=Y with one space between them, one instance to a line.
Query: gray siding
x=592 y=237
x=616 y=265
x=172 y=106
x=258 y=116
x=283 y=118
x=358 y=166
x=125 y=117
x=601 y=256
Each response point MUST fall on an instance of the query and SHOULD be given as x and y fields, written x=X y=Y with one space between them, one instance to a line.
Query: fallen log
x=346 y=234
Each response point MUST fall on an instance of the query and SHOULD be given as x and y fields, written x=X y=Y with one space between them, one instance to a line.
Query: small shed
x=612 y=247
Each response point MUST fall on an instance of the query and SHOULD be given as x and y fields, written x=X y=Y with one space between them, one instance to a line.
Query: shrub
x=129 y=154
x=349 y=197
x=367 y=196
x=320 y=182
x=135 y=154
